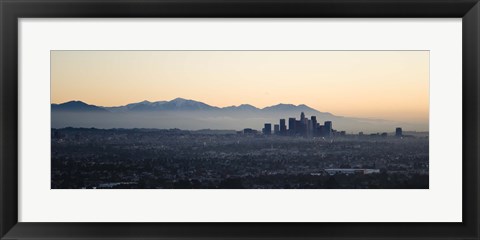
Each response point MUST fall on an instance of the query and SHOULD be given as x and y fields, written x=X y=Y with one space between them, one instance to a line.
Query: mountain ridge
x=177 y=104
x=77 y=106
x=193 y=115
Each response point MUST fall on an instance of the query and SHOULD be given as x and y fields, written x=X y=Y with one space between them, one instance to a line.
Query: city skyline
x=345 y=83
x=310 y=127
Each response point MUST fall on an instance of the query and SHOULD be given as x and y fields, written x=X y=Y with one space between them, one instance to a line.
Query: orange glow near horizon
x=392 y=85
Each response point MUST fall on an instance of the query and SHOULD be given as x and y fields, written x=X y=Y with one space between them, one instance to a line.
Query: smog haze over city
x=240 y=119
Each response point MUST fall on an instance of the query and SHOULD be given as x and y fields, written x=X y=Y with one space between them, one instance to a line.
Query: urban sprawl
x=306 y=155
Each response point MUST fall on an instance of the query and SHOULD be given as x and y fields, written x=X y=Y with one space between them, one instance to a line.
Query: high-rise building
x=301 y=125
x=398 y=132
x=276 y=129
x=328 y=128
x=313 y=119
x=321 y=130
x=291 y=126
x=283 y=127
x=298 y=127
x=267 y=129
x=309 y=127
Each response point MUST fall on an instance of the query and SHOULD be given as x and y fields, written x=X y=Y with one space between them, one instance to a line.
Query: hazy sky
x=391 y=85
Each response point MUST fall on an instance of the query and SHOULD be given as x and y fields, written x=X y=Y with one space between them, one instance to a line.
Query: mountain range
x=194 y=115
x=177 y=104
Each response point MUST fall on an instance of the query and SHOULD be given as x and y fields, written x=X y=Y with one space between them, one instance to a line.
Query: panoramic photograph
x=239 y=119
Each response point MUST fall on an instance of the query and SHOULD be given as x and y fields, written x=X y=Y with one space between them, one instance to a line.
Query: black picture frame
x=12 y=10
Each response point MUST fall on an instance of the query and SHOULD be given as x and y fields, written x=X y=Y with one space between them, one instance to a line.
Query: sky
x=390 y=85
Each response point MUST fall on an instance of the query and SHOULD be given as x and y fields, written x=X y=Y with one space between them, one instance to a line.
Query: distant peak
x=241 y=107
x=246 y=105
x=280 y=105
x=74 y=102
x=76 y=106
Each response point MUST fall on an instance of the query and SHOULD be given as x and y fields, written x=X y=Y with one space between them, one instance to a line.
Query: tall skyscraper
x=309 y=127
x=321 y=130
x=283 y=127
x=276 y=129
x=267 y=130
x=299 y=127
x=328 y=128
x=398 y=132
x=291 y=126
x=313 y=119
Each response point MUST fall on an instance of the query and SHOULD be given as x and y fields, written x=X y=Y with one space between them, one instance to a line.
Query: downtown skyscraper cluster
x=301 y=127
